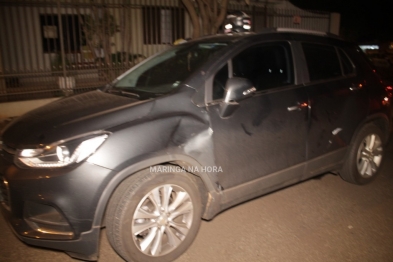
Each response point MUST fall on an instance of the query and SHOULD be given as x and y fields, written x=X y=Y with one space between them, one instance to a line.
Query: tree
x=100 y=26
x=210 y=12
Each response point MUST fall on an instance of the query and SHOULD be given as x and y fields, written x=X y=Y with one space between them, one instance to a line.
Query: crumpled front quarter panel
x=169 y=129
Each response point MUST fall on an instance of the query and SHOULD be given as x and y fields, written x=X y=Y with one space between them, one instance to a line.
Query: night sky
x=361 y=21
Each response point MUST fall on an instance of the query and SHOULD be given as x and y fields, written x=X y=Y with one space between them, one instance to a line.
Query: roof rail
x=306 y=31
x=303 y=31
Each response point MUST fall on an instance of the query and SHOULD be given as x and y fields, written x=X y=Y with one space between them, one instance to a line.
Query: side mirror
x=236 y=89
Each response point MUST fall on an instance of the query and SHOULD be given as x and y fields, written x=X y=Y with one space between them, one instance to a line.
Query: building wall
x=25 y=68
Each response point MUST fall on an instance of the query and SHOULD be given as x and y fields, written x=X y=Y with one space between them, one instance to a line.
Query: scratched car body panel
x=228 y=117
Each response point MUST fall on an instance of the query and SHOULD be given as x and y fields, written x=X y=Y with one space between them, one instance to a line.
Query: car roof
x=284 y=34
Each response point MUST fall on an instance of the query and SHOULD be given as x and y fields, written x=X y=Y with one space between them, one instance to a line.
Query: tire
x=144 y=225
x=364 y=159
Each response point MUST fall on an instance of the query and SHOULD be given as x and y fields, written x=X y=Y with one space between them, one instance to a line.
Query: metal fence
x=51 y=48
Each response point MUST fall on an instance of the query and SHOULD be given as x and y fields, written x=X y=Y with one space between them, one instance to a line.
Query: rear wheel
x=154 y=216
x=365 y=156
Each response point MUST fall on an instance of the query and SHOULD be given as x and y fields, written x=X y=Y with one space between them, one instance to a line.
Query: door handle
x=355 y=87
x=298 y=107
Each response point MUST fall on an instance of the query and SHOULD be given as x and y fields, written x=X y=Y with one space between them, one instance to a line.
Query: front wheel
x=365 y=156
x=154 y=216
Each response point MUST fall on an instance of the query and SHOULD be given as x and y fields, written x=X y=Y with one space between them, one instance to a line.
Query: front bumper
x=54 y=208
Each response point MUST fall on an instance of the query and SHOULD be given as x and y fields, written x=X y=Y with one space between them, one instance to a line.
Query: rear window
x=322 y=61
x=346 y=63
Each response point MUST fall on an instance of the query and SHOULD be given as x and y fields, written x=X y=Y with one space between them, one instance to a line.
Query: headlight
x=63 y=153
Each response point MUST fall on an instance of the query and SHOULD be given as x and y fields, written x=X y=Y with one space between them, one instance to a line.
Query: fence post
x=253 y=19
x=3 y=88
x=63 y=63
x=266 y=18
x=334 y=26
x=65 y=83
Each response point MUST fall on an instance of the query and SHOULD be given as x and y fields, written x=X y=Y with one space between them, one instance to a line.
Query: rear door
x=337 y=101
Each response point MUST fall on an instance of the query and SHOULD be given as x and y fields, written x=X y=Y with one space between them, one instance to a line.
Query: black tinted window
x=322 y=61
x=266 y=66
x=346 y=63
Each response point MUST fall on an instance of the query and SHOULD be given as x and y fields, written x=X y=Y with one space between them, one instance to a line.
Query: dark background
x=361 y=21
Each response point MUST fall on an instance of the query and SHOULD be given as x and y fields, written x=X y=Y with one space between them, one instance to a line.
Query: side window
x=322 y=61
x=347 y=65
x=266 y=66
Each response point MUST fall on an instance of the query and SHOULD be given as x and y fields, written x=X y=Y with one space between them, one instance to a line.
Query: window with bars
x=162 y=25
x=73 y=35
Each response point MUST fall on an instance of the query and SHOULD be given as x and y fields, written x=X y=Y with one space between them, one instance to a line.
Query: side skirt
x=258 y=187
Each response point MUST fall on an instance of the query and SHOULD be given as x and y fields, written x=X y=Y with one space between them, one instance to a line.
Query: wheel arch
x=363 y=158
x=208 y=189
x=381 y=121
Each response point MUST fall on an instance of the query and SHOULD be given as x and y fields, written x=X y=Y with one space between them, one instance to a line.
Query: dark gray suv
x=188 y=133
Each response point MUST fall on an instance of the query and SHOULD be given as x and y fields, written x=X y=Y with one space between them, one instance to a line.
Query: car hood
x=72 y=116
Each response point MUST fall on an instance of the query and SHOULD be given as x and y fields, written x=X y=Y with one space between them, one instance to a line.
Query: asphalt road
x=323 y=219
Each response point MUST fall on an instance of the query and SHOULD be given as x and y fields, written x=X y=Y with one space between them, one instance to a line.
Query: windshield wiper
x=124 y=93
x=129 y=94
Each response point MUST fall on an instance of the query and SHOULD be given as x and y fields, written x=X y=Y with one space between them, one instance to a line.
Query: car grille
x=4 y=193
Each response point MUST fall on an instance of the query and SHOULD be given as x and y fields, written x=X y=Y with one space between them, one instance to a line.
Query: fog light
x=47 y=221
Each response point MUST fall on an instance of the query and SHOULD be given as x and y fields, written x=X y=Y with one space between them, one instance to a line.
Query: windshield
x=168 y=70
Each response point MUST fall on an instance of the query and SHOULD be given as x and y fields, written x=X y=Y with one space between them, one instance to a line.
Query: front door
x=267 y=133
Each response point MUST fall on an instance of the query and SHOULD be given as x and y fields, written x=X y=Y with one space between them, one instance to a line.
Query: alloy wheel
x=162 y=220
x=369 y=155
